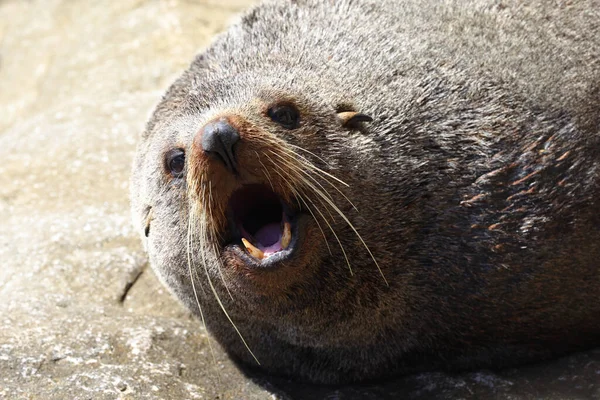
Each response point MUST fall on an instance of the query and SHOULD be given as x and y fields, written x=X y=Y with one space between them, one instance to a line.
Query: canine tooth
x=286 y=237
x=254 y=252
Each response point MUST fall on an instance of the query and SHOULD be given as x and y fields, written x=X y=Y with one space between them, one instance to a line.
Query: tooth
x=254 y=252
x=286 y=237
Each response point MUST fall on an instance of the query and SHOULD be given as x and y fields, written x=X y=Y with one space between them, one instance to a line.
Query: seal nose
x=218 y=138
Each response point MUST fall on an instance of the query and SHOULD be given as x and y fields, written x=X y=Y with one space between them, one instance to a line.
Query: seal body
x=348 y=190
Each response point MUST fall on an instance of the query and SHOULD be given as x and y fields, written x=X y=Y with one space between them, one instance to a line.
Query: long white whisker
x=191 y=214
x=341 y=214
x=300 y=157
x=203 y=227
x=330 y=202
x=299 y=197
x=309 y=152
x=310 y=167
x=266 y=171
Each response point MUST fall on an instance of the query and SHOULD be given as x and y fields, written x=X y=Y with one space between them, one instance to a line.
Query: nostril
x=219 y=138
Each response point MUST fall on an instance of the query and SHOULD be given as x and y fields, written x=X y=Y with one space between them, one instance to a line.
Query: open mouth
x=262 y=225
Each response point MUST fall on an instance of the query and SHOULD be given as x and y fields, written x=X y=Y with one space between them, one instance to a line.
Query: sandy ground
x=81 y=314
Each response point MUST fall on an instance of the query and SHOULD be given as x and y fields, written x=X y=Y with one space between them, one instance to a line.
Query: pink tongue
x=268 y=235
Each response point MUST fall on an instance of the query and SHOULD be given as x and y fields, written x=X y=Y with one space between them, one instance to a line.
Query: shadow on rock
x=574 y=377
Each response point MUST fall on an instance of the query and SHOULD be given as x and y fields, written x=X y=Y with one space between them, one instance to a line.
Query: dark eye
x=175 y=162
x=287 y=116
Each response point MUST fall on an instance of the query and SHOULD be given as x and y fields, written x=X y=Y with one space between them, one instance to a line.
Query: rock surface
x=81 y=314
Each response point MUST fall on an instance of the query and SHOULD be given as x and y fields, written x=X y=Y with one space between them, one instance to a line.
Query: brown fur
x=476 y=185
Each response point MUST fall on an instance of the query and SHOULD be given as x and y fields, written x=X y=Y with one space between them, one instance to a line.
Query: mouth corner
x=263 y=228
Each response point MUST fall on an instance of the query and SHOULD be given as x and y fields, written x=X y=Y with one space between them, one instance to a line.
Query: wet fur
x=476 y=184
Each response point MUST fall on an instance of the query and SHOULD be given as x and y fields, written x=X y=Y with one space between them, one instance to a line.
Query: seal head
x=348 y=191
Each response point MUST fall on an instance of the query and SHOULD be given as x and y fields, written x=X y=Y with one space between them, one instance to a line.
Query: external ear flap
x=350 y=118
x=148 y=221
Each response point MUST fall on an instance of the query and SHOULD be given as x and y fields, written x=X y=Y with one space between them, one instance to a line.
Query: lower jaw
x=274 y=261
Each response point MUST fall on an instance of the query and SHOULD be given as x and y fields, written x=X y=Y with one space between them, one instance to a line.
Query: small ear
x=148 y=221
x=349 y=118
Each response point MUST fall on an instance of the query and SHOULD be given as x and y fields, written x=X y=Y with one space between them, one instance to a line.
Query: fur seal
x=350 y=190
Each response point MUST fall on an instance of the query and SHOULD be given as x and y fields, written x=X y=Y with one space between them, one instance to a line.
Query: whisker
x=334 y=234
x=192 y=214
x=215 y=249
x=302 y=158
x=341 y=214
x=309 y=152
x=308 y=184
x=311 y=167
x=203 y=227
x=299 y=196
x=284 y=147
x=329 y=201
x=220 y=268
x=266 y=171
x=328 y=224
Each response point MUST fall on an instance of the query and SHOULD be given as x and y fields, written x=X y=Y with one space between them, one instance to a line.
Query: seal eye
x=175 y=162
x=287 y=116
